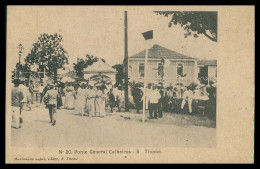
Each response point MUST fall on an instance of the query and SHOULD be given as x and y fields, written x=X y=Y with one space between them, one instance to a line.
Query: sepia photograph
x=92 y=77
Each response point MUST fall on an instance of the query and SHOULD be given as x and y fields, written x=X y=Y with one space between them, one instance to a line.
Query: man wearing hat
x=211 y=106
x=52 y=95
x=137 y=96
x=16 y=102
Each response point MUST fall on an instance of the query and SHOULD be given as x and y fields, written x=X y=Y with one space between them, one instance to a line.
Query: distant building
x=100 y=70
x=207 y=71
x=163 y=65
x=65 y=69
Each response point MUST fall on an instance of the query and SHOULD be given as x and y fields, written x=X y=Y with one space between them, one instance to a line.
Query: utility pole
x=126 y=66
x=20 y=47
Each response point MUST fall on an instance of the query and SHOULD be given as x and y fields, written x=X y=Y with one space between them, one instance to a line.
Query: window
x=160 y=72
x=179 y=69
x=141 y=69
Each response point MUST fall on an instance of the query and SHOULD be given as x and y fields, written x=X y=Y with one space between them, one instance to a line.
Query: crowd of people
x=176 y=99
x=84 y=99
x=92 y=100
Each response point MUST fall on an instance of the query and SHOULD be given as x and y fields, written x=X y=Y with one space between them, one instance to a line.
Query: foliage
x=84 y=63
x=120 y=75
x=23 y=67
x=194 y=22
x=48 y=51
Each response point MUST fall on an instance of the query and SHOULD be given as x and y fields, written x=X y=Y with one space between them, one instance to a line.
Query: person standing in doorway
x=51 y=95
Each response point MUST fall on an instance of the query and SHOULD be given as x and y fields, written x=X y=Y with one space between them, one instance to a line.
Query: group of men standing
x=174 y=99
x=154 y=100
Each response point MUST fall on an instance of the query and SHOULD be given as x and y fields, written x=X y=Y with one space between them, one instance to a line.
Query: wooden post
x=126 y=66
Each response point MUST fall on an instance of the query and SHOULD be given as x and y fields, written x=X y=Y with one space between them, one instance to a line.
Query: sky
x=98 y=31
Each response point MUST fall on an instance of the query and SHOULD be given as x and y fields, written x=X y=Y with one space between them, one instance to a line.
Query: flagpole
x=145 y=82
x=147 y=35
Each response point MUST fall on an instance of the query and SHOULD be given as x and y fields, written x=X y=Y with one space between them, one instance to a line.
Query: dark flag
x=148 y=35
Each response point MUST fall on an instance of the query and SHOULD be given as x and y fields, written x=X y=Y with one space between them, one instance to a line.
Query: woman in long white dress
x=80 y=100
x=91 y=101
x=98 y=101
x=70 y=97
x=103 y=103
x=66 y=96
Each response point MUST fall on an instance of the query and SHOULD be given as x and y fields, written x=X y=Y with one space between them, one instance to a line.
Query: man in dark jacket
x=137 y=96
x=211 y=107
x=51 y=97
x=111 y=97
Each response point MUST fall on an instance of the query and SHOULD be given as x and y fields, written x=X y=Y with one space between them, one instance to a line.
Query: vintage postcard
x=130 y=84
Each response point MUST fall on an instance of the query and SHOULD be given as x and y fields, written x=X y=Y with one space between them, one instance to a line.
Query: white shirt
x=25 y=91
x=188 y=94
x=154 y=96
x=118 y=93
x=41 y=89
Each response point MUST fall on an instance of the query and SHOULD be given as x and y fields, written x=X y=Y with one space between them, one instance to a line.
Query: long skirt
x=69 y=100
x=66 y=100
x=16 y=117
x=80 y=105
x=91 y=106
x=97 y=103
x=103 y=107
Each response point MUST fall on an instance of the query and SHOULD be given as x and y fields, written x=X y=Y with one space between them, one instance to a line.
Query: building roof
x=207 y=62
x=159 y=52
x=99 y=67
x=71 y=74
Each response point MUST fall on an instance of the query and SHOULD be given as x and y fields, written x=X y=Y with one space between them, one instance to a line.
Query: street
x=118 y=129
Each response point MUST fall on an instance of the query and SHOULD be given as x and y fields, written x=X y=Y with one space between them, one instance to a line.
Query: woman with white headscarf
x=80 y=96
x=69 y=97
x=90 y=96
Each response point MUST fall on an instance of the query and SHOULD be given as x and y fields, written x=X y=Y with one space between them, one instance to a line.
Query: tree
x=84 y=63
x=120 y=75
x=194 y=22
x=24 y=69
x=48 y=51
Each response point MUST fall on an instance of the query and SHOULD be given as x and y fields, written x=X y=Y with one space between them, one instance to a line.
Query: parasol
x=99 y=77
